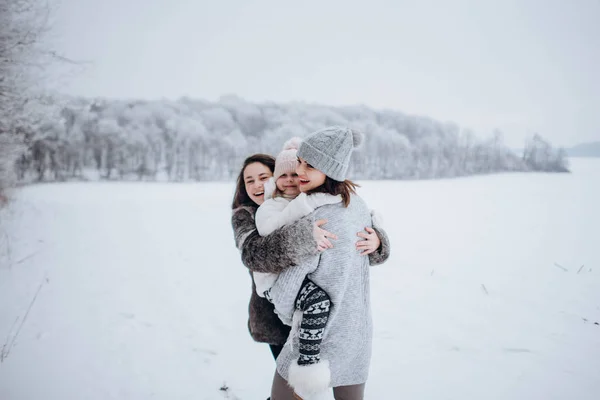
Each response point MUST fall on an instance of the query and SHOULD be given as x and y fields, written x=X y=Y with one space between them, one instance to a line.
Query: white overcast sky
x=522 y=66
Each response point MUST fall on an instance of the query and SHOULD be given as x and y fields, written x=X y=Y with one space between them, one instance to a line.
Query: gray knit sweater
x=344 y=275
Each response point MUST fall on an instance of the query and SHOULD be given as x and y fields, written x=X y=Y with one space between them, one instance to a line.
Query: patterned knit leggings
x=314 y=303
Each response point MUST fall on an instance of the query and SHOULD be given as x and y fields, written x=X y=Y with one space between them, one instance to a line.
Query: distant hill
x=591 y=149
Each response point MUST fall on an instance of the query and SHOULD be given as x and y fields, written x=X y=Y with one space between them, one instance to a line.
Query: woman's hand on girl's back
x=320 y=235
x=370 y=243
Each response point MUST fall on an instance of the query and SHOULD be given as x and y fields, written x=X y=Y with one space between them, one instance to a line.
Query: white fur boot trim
x=311 y=378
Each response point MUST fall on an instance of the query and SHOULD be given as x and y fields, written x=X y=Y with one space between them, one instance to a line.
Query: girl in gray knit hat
x=324 y=159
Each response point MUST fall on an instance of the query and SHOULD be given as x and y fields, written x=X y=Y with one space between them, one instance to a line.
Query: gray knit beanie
x=329 y=150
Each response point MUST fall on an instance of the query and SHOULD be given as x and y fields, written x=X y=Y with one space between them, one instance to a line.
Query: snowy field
x=136 y=291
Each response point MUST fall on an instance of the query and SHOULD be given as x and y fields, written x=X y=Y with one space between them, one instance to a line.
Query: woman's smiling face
x=310 y=178
x=255 y=176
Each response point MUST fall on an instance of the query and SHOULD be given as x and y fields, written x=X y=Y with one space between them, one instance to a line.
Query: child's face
x=310 y=178
x=288 y=184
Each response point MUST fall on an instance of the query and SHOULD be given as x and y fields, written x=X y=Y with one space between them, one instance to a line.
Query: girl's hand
x=320 y=235
x=370 y=244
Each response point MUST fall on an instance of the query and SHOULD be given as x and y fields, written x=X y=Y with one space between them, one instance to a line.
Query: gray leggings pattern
x=315 y=304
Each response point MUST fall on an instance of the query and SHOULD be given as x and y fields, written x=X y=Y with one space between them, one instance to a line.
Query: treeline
x=199 y=140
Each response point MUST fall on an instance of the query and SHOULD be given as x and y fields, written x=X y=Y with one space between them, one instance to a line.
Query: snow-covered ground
x=136 y=291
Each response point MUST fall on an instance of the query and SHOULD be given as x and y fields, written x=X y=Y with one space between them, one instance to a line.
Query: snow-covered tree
x=540 y=156
x=19 y=41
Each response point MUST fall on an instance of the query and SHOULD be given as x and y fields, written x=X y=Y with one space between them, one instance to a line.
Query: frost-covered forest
x=199 y=140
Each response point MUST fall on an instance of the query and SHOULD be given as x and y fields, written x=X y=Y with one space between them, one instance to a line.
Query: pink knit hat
x=287 y=160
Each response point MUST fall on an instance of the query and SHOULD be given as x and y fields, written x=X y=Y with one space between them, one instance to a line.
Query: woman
x=343 y=273
x=286 y=247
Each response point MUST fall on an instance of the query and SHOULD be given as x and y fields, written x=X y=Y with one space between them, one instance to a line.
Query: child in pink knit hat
x=284 y=203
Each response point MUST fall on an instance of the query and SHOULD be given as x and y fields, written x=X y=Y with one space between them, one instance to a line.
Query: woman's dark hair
x=333 y=187
x=241 y=198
